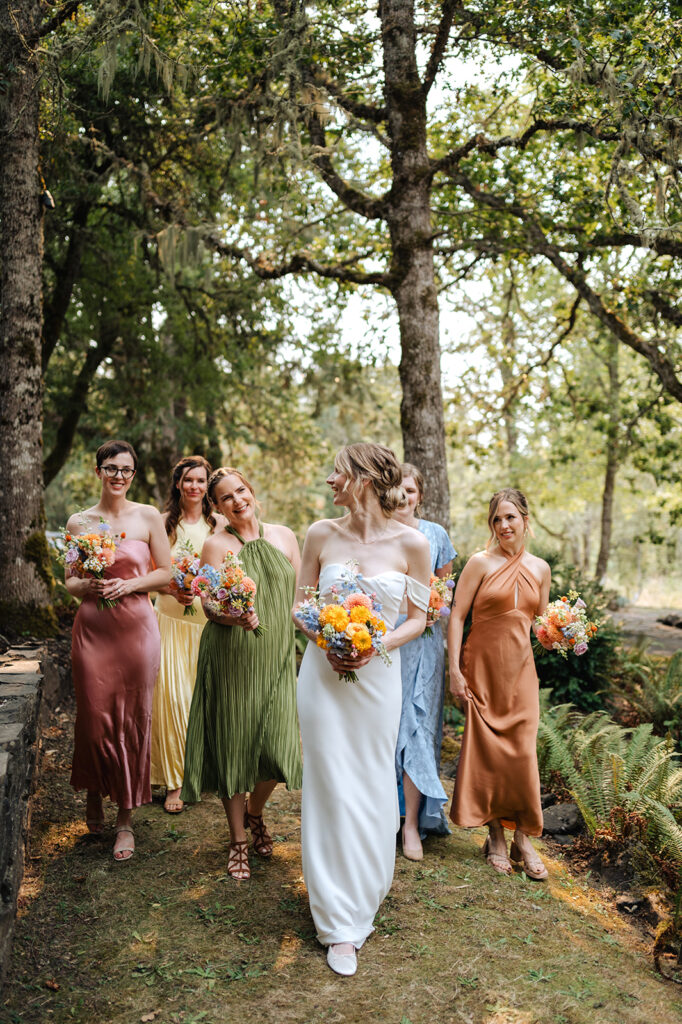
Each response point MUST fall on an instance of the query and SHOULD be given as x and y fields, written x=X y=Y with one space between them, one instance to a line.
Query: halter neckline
x=231 y=529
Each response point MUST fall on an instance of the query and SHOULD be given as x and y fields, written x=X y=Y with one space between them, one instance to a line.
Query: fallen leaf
x=53 y=985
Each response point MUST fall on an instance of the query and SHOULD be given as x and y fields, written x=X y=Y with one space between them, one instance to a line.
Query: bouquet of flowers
x=89 y=554
x=184 y=570
x=440 y=601
x=227 y=590
x=350 y=625
x=564 y=626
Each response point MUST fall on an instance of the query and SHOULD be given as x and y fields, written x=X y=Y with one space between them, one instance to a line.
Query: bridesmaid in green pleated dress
x=242 y=735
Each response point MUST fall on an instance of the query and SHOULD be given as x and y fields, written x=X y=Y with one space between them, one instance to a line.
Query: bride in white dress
x=349 y=814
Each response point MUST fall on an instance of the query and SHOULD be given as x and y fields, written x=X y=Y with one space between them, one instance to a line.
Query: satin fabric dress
x=497 y=776
x=242 y=723
x=349 y=806
x=115 y=658
x=422 y=668
x=180 y=639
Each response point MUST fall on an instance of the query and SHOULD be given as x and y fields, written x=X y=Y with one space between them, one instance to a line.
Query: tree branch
x=62 y=15
x=363 y=111
x=267 y=271
x=662 y=366
x=439 y=44
x=352 y=198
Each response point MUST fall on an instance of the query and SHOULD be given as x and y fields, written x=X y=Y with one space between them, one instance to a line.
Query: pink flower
x=580 y=648
x=221 y=594
x=357 y=599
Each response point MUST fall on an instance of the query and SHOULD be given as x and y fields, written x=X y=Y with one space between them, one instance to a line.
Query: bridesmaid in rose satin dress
x=497 y=783
x=115 y=651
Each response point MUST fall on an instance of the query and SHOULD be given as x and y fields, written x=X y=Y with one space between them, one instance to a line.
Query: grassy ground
x=170 y=938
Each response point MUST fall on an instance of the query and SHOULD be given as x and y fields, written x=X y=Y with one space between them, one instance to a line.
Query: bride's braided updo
x=378 y=464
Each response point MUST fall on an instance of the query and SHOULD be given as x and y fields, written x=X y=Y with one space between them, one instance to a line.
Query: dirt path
x=641 y=624
x=170 y=938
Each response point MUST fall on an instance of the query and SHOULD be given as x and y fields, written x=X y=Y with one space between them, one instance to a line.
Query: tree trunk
x=412 y=267
x=24 y=562
x=612 y=461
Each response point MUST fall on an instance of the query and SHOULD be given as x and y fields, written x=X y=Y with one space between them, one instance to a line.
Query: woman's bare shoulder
x=540 y=567
x=83 y=520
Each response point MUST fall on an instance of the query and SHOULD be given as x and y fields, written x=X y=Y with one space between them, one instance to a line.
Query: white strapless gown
x=349 y=811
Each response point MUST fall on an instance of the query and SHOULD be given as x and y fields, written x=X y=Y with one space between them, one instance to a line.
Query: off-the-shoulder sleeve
x=417 y=592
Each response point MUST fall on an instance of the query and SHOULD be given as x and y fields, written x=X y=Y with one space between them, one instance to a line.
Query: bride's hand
x=342 y=665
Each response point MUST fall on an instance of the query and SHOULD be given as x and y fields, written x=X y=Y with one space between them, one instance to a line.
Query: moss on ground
x=170 y=938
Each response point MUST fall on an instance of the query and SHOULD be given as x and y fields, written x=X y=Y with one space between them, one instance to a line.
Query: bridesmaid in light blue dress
x=417 y=757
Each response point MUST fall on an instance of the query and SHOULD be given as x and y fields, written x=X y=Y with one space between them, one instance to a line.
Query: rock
x=547 y=800
x=671 y=620
x=561 y=820
x=637 y=906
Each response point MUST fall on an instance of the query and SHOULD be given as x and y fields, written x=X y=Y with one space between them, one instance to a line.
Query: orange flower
x=335 y=616
x=360 y=613
x=357 y=600
x=359 y=636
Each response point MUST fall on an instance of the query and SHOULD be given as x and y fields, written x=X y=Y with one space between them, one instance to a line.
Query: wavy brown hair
x=516 y=498
x=174 y=503
x=378 y=464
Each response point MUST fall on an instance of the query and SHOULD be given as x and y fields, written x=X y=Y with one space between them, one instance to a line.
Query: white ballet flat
x=342 y=963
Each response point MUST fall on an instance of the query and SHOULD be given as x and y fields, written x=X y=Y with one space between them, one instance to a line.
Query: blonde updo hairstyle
x=223 y=471
x=516 y=498
x=378 y=464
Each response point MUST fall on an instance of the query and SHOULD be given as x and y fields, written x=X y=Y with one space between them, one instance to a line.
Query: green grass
x=170 y=938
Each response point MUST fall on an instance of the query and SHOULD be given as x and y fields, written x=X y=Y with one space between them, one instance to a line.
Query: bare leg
x=237 y=862
x=412 y=844
x=94 y=813
x=495 y=848
x=524 y=852
x=262 y=840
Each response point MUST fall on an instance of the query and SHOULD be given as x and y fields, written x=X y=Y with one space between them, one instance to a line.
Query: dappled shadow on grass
x=170 y=938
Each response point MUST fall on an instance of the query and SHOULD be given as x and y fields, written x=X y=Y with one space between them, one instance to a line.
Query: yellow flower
x=335 y=616
x=360 y=614
x=359 y=637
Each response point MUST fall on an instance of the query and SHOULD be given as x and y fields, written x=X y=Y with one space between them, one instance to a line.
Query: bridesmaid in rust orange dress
x=115 y=651
x=497 y=779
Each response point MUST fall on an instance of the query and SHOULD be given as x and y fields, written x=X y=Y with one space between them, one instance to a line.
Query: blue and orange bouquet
x=440 y=601
x=227 y=590
x=90 y=554
x=564 y=626
x=184 y=570
x=350 y=625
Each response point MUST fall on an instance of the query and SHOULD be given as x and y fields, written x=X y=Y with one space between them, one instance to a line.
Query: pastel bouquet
x=350 y=624
x=440 y=601
x=184 y=569
x=227 y=590
x=90 y=554
x=564 y=626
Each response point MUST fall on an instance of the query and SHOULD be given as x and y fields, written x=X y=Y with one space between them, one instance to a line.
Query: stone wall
x=24 y=675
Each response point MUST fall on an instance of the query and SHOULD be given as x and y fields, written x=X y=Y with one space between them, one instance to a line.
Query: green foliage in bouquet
x=626 y=782
x=580 y=680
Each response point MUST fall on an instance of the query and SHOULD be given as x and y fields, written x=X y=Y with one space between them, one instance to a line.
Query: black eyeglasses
x=111 y=472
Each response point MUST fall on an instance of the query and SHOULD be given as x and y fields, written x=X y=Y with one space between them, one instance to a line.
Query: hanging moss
x=24 y=619
x=37 y=553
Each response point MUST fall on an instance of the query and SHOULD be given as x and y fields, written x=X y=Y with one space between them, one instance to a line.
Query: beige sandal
x=534 y=869
x=497 y=861
x=130 y=850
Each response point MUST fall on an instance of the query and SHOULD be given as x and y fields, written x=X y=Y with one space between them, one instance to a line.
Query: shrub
x=654 y=692
x=624 y=781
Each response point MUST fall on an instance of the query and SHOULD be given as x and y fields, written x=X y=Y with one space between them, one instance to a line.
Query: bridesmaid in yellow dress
x=497 y=783
x=187 y=518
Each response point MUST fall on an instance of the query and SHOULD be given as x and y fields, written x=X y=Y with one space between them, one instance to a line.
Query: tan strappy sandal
x=498 y=861
x=238 y=861
x=534 y=869
x=262 y=840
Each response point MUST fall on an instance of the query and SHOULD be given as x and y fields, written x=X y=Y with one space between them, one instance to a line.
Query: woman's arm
x=76 y=585
x=308 y=573
x=419 y=568
x=444 y=571
x=467 y=585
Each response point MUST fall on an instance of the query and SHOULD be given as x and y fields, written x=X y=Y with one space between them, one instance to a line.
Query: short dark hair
x=111 y=448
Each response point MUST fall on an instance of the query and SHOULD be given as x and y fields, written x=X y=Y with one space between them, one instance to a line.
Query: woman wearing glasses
x=115 y=650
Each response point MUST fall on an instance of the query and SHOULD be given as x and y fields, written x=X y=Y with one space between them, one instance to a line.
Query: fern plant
x=656 y=696
x=622 y=780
